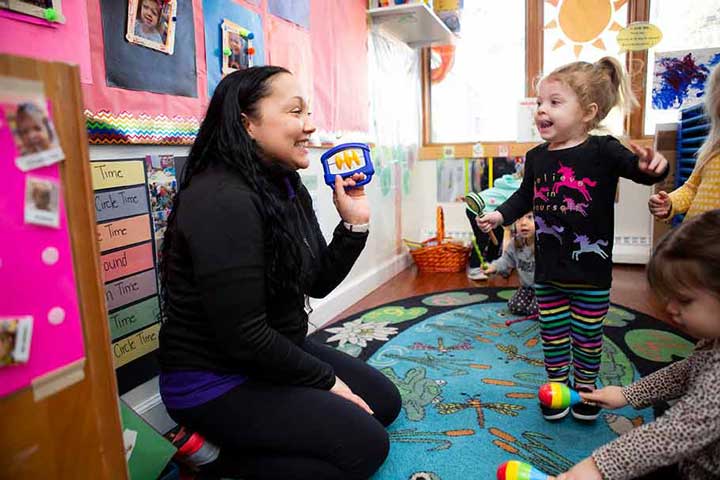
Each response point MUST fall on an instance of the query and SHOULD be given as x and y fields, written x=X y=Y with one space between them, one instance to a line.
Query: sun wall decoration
x=581 y=23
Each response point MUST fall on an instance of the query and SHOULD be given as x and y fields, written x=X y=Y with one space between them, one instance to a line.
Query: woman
x=242 y=252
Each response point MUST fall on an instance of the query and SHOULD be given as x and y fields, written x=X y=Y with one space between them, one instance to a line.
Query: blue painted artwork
x=680 y=77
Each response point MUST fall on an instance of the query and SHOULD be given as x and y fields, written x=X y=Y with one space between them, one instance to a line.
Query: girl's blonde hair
x=711 y=147
x=687 y=259
x=603 y=83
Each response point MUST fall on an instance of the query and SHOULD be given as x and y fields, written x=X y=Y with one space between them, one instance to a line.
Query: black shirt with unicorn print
x=572 y=194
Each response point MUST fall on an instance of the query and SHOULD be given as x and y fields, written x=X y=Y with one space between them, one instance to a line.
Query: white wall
x=419 y=218
x=381 y=259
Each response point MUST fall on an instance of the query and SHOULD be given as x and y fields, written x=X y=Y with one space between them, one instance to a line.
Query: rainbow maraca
x=558 y=395
x=514 y=470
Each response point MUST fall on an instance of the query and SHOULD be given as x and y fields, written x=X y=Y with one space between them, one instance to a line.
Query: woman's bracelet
x=360 y=228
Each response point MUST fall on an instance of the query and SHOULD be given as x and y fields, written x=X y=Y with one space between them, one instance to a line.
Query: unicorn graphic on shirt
x=571 y=206
x=541 y=193
x=567 y=179
x=587 y=247
x=542 y=227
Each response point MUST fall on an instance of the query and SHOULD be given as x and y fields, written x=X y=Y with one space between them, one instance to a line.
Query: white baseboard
x=351 y=292
x=634 y=254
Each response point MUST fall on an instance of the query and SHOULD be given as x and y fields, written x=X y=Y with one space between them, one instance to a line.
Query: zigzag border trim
x=125 y=128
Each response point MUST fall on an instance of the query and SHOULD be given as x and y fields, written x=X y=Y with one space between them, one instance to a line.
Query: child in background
x=701 y=192
x=570 y=183
x=684 y=273
x=502 y=189
x=33 y=129
x=147 y=24
x=488 y=250
x=520 y=254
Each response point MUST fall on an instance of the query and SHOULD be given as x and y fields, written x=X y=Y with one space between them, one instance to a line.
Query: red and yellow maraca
x=514 y=470
x=558 y=395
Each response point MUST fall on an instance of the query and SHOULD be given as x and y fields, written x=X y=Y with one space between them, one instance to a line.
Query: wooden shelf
x=413 y=23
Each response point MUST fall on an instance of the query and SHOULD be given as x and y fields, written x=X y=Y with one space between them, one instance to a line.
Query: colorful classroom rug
x=469 y=382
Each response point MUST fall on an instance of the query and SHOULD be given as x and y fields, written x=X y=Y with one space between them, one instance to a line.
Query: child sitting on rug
x=684 y=273
x=520 y=254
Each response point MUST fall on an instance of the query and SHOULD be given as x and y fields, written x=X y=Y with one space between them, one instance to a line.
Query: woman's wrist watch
x=359 y=228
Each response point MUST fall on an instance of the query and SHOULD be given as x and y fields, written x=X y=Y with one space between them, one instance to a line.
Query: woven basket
x=439 y=254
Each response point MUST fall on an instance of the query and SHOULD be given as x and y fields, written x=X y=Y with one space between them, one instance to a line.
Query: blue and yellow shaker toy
x=345 y=160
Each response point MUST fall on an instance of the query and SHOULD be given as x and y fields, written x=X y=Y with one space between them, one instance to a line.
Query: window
x=477 y=99
x=586 y=31
x=699 y=27
x=505 y=46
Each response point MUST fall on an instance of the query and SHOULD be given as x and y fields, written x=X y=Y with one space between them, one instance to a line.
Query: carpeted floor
x=469 y=382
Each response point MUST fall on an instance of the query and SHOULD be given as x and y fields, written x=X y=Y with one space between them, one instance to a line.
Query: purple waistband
x=187 y=389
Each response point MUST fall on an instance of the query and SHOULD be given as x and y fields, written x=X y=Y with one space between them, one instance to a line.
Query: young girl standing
x=701 y=192
x=570 y=183
x=684 y=443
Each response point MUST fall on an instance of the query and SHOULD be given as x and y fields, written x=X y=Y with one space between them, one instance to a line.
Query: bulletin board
x=338 y=34
x=137 y=95
x=68 y=42
x=38 y=279
x=64 y=398
x=134 y=67
x=295 y=11
x=122 y=116
x=290 y=47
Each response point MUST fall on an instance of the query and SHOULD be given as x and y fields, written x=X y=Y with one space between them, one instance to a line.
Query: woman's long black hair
x=222 y=138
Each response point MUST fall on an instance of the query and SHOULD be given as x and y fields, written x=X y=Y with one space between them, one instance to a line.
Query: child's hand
x=610 y=398
x=585 y=470
x=489 y=269
x=489 y=221
x=660 y=204
x=649 y=161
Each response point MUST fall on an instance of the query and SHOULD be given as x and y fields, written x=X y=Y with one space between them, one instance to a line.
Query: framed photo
x=25 y=110
x=35 y=8
x=151 y=24
x=41 y=201
x=236 y=47
x=15 y=339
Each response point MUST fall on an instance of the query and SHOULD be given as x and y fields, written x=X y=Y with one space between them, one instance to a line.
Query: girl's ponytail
x=623 y=95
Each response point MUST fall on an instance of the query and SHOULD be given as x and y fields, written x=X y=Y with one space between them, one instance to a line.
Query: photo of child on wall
x=35 y=8
x=151 y=24
x=238 y=59
x=41 y=202
x=237 y=47
x=25 y=110
x=15 y=336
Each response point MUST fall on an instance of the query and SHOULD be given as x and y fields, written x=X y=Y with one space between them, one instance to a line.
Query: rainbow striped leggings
x=571 y=328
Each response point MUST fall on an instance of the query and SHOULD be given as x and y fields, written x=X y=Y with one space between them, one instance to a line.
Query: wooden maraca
x=515 y=470
x=558 y=395
x=476 y=205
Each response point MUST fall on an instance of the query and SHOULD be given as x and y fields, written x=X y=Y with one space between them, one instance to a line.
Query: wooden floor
x=629 y=289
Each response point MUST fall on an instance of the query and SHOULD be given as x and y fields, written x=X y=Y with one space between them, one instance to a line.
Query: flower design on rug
x=359 y=333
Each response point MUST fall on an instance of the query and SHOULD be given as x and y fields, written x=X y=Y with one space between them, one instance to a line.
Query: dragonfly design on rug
x=476 y=404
